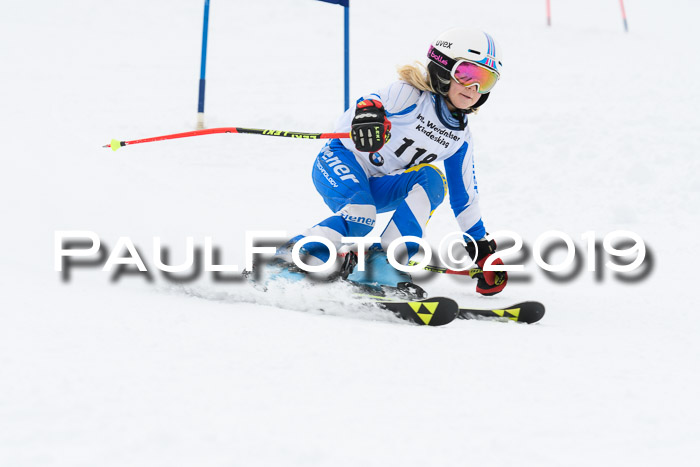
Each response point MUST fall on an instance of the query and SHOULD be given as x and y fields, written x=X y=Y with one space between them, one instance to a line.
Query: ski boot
x=379 y=276
x=278 y=268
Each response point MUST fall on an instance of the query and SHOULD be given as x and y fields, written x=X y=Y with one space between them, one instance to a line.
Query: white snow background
x=589 y=129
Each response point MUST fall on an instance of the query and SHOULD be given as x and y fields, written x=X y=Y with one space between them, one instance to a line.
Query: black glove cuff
x=484 y=247
x=370 y=115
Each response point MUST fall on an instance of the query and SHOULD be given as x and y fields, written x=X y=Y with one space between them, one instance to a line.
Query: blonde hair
x=416 y=75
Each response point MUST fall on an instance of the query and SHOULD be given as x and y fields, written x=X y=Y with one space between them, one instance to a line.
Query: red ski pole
x=116 y=144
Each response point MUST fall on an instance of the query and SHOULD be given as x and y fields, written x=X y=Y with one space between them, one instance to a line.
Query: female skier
x=397 y=135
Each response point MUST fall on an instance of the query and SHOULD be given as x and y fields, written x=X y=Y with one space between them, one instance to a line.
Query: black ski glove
x=370 y=127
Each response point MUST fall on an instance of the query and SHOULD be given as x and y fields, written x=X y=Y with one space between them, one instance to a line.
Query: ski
x=525 y=312
x=435 y=311
x=405 y=303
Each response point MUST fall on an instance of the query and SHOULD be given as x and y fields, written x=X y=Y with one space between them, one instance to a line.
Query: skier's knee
x=433 y=182
x=360 y=218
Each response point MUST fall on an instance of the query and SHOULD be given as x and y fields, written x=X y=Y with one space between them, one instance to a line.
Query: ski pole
x=116 y=144
x=467 y=272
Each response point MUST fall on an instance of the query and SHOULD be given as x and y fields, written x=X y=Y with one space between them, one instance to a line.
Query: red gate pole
x=624 y=15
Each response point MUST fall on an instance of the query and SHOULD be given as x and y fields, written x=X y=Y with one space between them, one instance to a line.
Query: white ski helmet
x=460 y=44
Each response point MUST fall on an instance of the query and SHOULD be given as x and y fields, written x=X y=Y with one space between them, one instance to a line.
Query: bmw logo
x=376 y=159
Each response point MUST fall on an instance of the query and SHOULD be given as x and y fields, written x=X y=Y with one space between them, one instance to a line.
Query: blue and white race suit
x=401 y=177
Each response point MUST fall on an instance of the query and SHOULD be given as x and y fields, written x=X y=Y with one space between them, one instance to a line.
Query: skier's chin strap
x=453 y=120
x=460 y=114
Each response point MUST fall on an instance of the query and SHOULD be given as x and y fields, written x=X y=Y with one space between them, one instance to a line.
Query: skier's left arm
x=464 y=200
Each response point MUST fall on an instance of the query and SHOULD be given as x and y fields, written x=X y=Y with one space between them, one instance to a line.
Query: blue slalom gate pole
x=203 y=68
x=347 y=56
x=346 y=6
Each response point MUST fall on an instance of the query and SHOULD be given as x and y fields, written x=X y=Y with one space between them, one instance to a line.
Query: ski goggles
x=465 y=72
x=470 y=74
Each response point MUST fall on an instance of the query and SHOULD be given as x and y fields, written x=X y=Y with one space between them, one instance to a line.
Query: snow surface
x=589 y=129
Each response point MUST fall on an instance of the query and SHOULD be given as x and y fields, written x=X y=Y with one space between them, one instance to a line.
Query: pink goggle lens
x=469 y=74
